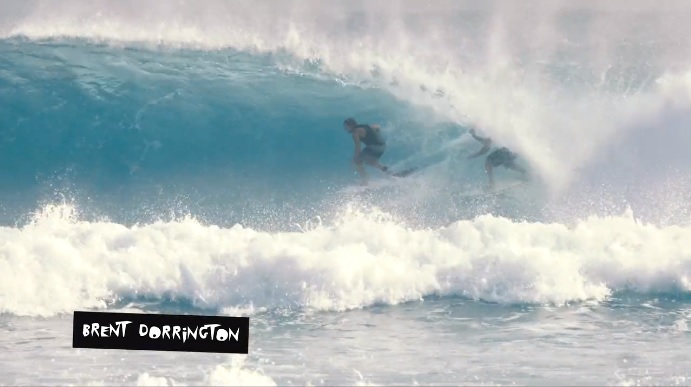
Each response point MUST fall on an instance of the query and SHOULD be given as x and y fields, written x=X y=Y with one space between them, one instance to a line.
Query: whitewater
x=189 y=158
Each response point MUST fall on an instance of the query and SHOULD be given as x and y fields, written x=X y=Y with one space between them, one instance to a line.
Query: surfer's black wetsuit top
x=372 y=137
x=501 y=156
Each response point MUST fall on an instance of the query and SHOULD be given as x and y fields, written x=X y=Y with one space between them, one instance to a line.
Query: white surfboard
x=498 y=189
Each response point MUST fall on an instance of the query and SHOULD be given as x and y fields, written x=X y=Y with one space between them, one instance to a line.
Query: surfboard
x=494 y=192
x=380 y=182
x=372 y=185
x=405 y=172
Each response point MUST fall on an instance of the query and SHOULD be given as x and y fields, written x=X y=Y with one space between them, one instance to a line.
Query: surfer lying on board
x=502 y=156
x=375 y=146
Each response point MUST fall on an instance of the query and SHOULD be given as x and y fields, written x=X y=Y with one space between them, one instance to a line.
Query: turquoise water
x=191 y=158
x=221 y=135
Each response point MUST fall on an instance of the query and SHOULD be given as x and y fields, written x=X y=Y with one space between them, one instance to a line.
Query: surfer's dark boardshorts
x=502 y=156
x=373 y=151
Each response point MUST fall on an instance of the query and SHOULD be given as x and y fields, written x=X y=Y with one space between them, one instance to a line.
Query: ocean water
x=189 y=157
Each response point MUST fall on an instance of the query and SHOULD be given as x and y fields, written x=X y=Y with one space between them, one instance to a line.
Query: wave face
x=207 y=142
x=105 y=120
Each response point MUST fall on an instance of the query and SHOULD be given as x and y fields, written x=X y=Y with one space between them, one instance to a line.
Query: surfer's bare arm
x=481 y=139
x=481 y=151
x=484 y=140
x=486 y=144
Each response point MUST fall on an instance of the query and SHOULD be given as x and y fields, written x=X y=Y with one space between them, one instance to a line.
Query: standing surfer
x=375 y=146
x=502 y=156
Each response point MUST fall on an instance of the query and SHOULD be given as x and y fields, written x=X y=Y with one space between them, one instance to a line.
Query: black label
x=160 y=332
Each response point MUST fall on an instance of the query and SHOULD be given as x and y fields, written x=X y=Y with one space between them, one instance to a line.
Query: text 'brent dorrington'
x=176 y=332
x=159 y=332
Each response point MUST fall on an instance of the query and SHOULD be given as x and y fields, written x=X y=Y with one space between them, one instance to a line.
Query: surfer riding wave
x=375 y=146
x=502 y=156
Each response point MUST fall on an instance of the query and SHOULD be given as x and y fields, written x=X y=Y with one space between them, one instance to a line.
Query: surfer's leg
x=493 y=160
x=361 y=169
x=488 y=169
x=375 y=163
x=362 y=172
x=371 y=157
x=511 y=165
